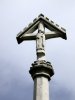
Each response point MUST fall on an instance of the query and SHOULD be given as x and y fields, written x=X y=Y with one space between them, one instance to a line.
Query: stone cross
x=41 y=23
x=41 y=70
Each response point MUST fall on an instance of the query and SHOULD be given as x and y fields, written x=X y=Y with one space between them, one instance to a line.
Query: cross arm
x=28 y=36
x=25 y=37
x=53 y=34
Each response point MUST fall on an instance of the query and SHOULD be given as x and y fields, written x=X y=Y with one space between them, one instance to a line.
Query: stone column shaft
x=41 y=88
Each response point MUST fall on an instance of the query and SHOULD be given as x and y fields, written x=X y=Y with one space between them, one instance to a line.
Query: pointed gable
x=60 y=31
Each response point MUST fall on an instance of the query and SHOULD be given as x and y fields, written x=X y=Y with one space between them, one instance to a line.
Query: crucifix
x=41 y=70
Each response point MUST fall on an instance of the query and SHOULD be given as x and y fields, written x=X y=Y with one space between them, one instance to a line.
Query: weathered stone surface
x=40 y=42
x=48 y=24
x=41 y=88
x=41 y=70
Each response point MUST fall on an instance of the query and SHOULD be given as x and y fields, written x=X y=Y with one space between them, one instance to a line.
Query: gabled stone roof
x=49 y=24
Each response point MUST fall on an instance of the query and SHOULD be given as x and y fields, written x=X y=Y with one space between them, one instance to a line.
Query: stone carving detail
x=40 y=41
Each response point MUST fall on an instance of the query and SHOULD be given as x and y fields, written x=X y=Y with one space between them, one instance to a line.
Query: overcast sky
x=15 y=60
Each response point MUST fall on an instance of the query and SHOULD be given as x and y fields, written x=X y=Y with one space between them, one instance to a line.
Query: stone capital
x=41 y=68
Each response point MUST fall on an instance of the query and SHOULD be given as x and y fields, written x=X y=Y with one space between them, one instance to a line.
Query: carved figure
x=40 y=38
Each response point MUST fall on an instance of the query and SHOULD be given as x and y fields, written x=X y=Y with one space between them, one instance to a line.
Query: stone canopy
x=55 y=30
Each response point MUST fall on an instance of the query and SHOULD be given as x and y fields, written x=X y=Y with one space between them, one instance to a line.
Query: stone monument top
x=40 y=23
x=53 y=27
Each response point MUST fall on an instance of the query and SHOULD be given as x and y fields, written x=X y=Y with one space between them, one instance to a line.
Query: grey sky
x=15 y=60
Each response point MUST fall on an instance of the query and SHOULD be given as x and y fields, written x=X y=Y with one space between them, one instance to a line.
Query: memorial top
x=49 y=24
